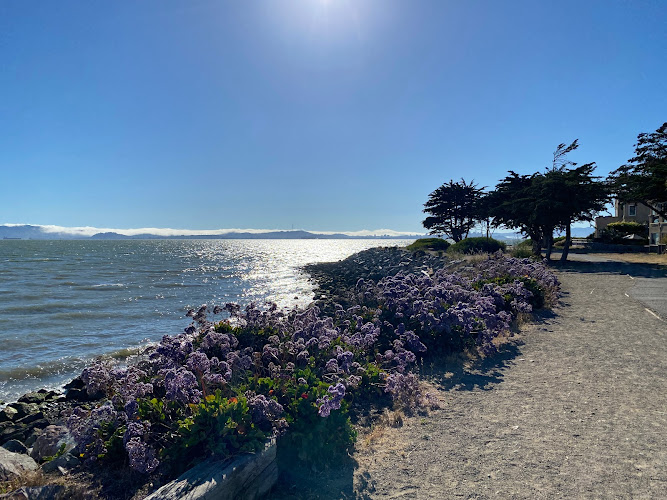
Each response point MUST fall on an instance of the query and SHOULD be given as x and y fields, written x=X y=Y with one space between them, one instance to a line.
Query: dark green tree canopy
x=540 y=203
x=644 y=178
x=453 y=209
x=516 y=203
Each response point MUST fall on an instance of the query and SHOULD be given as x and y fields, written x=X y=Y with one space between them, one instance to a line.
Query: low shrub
x=477 y=245
x=436 y=244
x=624 y=228
x=521 y=252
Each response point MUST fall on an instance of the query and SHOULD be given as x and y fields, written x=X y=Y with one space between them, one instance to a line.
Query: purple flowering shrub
x=223 y=388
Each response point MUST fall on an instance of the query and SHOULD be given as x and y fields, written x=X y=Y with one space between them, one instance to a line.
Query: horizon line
x=84 y=231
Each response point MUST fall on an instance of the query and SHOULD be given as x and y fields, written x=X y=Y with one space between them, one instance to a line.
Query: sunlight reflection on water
x=64 y=302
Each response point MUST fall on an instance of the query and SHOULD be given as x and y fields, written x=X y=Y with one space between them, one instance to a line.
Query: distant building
x=637 y=212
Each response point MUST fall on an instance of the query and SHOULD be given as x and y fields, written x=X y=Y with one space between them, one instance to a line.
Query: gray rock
x=13 y=465
x=34 y=397
x=75 y=394
x=48 y=492
x=8 y=414
x=62 y=464
x=247 y=478
x=29 y=419
x=13 y=431
x=24 y=409
x=32 y=436
x=15 y=446
x=53 y=437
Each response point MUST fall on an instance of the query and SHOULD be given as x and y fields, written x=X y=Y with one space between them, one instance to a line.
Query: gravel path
x=576 y=409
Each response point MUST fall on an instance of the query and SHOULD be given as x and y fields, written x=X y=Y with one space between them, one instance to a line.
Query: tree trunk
x=549 y=245
x=537 y=243
x=566 y=247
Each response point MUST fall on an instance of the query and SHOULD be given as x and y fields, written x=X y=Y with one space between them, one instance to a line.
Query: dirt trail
x=576 y=410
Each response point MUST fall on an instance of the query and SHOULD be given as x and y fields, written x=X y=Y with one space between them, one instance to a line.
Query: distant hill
x=33 y=232
x=272 y=235
x=30 y=232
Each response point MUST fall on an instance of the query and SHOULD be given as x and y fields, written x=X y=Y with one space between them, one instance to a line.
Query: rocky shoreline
x=32 y=432
x=336 y=280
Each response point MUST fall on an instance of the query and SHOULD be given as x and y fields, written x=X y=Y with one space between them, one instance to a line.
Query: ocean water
x=63 y=303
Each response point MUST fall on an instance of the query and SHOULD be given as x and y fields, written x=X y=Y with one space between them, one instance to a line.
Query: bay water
x=65 y=302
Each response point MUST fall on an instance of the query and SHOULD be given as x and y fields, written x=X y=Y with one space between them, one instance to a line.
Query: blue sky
x=330 y=115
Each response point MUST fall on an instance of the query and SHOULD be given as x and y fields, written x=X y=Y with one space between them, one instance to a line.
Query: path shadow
x=633 y=269
x=455 y=373
x=298 y=481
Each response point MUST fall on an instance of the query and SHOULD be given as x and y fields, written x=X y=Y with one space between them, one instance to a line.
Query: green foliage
x=644 y=178
x=59 y=453
x=616 y=233
x=624 y=228
x=437 y=244
x=315 y=439
x=538 y=298
x=521 y=251
x=247 y=337
x=454 y=209
x=540 y=203
x=477 y=245
x=218 y=426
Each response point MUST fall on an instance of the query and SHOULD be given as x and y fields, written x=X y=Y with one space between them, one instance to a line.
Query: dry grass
x=636 y=258
x=74 y=490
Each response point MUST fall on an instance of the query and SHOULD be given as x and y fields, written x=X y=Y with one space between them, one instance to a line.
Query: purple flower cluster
x=332 y=401
x=264 y=410
x=142 y=457
x=404 y=390
x=85 y=426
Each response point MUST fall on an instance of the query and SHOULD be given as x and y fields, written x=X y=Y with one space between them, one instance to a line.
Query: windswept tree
x=644 y=178
x=516 y=203
x=453 y=209
x=576 y=195
x=540 y=203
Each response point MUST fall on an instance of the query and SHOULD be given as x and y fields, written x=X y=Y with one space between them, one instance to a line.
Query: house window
x=632 y=210
x=654 y=238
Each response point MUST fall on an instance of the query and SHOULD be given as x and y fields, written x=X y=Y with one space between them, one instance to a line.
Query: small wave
x=173 y=285
x=78 y=314
x=43 y=370
x=41 y=308
x=103 y=286
x=68 y=365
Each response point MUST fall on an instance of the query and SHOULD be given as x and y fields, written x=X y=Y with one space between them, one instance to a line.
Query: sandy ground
x=637 y=258
x=574 y=407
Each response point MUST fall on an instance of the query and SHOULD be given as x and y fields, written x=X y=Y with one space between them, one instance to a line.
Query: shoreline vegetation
x=310 y=376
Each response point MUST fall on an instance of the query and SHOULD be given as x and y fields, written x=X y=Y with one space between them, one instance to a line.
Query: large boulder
x=15 y=446
x=50 y=442
x=47 y=492
x=13 y=465
x=63 y=463
x=249 y=477
x=8 y=414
